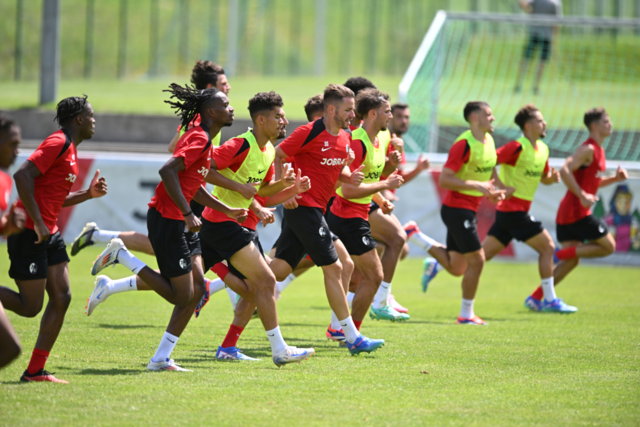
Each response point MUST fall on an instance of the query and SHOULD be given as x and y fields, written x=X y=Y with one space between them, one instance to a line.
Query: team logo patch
x=33 y=268
x=323 y=231
x=183 y=264
x=467 y=223
x=365 y=240
x=601 y=229
x=532 y=218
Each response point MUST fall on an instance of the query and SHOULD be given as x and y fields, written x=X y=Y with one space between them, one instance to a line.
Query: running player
x=350 y=210
x=10 y=223
x=320 y=149
x=467 y=175
x=581 y=234
x=39 y=261
x=524 y=165
x=181 y=279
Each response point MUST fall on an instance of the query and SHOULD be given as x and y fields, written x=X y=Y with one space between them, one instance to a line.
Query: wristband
x=187 y=214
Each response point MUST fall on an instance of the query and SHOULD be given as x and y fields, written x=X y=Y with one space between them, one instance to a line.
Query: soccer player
x=181 y=279
x=524 y=165
x=39 y=261
x=248 y=159
x=581 y=234
x=314 y=108
x=320 y=149
x=350 y=210
x=10 y=223
x=467 y=175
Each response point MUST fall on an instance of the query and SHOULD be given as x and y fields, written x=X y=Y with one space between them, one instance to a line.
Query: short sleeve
x=226 y=155
x=546 y=168
x=192 y=150
x=47 y=153
x=508 y=154
x=458 y=155
x=293 y=144
x=358 y=150
x=270 y=173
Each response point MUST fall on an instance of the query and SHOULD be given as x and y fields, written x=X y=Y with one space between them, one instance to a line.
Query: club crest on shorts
x=365 y=240
x=323 y=231
x=33 y=268
x=183 y=263
x=467 y=223
x=532 y=218
x=601 y=229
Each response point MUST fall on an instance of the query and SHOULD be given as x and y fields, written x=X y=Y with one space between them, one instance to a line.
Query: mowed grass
x=522 y=369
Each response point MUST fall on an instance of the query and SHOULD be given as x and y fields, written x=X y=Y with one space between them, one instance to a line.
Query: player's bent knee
x=62 y=300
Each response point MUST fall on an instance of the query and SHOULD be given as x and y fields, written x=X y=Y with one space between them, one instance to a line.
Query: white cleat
x=292 y=354
x=396 y=305
x=165 y=365
x=108 y=257
x=100 y=294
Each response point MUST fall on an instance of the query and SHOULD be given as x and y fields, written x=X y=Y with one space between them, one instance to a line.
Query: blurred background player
x=581 y=234
x=39 y=260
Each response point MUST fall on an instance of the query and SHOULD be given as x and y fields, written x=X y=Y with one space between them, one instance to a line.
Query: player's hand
x=193 y=223
x=395 y=158
x=303 y=183
x=238 y=214
x=357 y=176
x=265 y=215
x=248 y=191
x=496 y=196
x=350 y=158
x=288 y=176
x=485 y=187
x=387 y=207
x=621 y=174
x=292 y=203
x=14 y=220
x=423 y=163
x=394 y=180
x=508 y=192
x=555 y=175
x=98 y=186
x=587 y=200
x=397 y=142
x=42 y=232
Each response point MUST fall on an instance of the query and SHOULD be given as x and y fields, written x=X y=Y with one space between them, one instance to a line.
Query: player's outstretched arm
x=582 y=157
x=203 y=197
x=552 y=177
x=97 y=188
x=351 y=191
x=302 y=184
x=508 y=191
x=248 y=191
x=287 y=179
x=621 y=175
x=24 y=179
x=422 y=165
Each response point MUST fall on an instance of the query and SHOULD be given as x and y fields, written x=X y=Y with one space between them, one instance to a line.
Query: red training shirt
x=195 y=148
x=59 y=171
x=320 y=156
x=5 y=190
x=458 y=156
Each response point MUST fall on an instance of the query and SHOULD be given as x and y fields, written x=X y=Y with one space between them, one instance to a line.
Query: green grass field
x=522 y=369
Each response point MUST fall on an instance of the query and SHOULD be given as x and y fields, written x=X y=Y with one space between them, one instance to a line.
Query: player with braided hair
x=181 y=278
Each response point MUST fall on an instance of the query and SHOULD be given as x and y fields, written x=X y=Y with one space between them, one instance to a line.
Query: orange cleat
x=41 y=376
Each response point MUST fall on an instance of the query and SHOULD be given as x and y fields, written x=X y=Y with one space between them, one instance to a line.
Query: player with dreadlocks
x=181 y=278
x=39 y=260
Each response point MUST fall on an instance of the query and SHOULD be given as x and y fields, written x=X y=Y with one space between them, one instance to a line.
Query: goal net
x=592 y=62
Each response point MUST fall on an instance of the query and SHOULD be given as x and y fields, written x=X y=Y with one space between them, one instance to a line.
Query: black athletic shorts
x=586 y=229
x=534 y=42
x=306 y=232
x=334 y=237
x=30 y=261
x=173 y=245
x=196 y=208
x=515 y=225
x=256 y=241
x=326 y=212
x=354 y=233
x=374 y=207
x=462 y=229
x=220 y=240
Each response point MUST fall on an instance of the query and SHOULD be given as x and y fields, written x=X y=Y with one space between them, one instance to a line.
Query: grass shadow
x=107 y=326
x=112 y=371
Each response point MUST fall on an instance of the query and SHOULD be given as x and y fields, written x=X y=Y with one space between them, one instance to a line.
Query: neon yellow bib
x=373 y=162
x=253 y=170
x=525 y=175
x=482 y=160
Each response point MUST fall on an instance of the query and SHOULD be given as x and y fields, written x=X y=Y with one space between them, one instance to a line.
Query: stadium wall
x=132 y=180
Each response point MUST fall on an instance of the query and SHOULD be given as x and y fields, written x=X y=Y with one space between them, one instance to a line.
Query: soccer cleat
x=292 y=355
x=387 y=313
x=364 y=344
x=100 y=294
x=411 y=228
x=475 y=320
x=204 y=300
x=232 y=353
x=84 y=239
x=165 y=365
x=335 y=334
x=396 y=305
x=533 y=304
x=430 y=269
x=108 y=257
x=557 y=306
x=555 y=256
x=41 y=376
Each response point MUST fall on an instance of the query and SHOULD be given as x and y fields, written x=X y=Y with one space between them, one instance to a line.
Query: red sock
x=357 y=323
x=566 y=253
x=538 y=293
x=232 y=336
x=221 y=270
x=38 y=360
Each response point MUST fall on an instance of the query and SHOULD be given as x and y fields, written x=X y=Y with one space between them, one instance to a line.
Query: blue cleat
x=232 y=353
x=557 y=306
x=335 y=334
x=431 y=268
x=364 y=344
x=555 y=256
x=533 y=304
x=204 y=300
x=292 y=354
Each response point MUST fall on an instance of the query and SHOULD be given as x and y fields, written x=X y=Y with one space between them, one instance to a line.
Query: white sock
x=233 y=297
x=105 y=236
x=165 y=348
x=466 y=311
x=548 y=289
x=350 y=296
x=216 y=286
x=382 y=295
x=277 y=342
x=128 y=260
x=422 y=240
x=286 y=282
x=335 y=323
x=123 y=285
x=349 y=329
